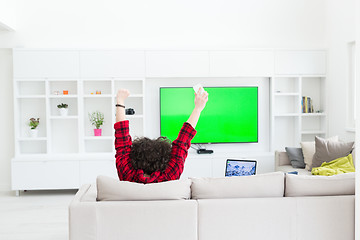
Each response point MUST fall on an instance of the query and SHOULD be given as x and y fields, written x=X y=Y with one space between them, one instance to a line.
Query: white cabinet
x=28 y=175
x=46 y=64
x=241 y=63
x=177 y=64
x=300 y=62
x=108 y=64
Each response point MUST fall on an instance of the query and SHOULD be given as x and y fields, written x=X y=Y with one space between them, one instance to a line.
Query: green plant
x=62 y=105
x=34 y=123
x=96 y=119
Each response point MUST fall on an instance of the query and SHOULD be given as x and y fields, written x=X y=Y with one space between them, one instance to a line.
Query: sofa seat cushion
x=110 y=189
x=289 y=168
x=262 y=185
x=302 y=185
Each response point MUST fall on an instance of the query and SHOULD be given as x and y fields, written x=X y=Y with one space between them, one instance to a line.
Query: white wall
x=7 y=15
x=163 y=24
x=341 y=31
x=6 y=117
x=168 y=24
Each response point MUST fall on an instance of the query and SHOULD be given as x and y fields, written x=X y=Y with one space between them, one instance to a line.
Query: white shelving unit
x=40 y=77
x=63 y=134
x=66 y=154
x=290 y=125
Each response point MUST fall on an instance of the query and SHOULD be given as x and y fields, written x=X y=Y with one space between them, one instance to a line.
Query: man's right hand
x=121 y=95
x=200 y=100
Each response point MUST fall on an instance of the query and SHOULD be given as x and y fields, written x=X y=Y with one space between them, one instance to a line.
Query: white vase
x=63 y=111
x=33 y=133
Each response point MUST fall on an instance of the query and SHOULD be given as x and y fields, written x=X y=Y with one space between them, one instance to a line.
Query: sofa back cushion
x=262 y=185
x=303 y=185
x=281 y=159
x=308 y=149
x=110 y=189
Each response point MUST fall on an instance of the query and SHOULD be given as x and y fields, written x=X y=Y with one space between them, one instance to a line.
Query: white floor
x=38 y=215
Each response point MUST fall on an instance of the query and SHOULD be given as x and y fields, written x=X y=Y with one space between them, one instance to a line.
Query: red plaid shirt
x=179 y=152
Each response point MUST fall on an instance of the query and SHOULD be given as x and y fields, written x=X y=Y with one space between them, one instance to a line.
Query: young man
x=151 y=161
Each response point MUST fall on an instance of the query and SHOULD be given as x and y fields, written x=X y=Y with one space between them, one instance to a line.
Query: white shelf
x=99 y=138
x=32 y=139
x=133 y=95
x=287 y=115
x=65 y=117
x=128 y=79
x=29 y=80
x=40 y=157
x=113 y=79
x=30 y=96
x=313 y=132
x=63 y=96
x=299 y=75
x=313 y=114
x=61 y=80
x=287 y=94
x=97 y=95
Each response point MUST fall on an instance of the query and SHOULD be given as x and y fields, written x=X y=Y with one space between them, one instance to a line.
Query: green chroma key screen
x=230 y=115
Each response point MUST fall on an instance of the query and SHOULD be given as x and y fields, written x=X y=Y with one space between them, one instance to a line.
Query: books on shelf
x=307 y=105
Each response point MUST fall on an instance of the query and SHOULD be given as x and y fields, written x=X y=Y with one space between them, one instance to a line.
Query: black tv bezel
x=257 y=122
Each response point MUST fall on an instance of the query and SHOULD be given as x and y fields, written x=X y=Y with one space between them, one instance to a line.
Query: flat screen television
x=230 y=115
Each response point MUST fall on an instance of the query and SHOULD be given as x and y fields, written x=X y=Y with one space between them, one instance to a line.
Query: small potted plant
x=97 y=119
x=33 y=124
x=63 y=109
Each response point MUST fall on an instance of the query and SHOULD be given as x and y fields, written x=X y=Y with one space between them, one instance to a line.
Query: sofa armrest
x=82 y=217
x=281 y=159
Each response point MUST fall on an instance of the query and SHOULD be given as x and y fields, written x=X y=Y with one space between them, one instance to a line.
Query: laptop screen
x=240 y=167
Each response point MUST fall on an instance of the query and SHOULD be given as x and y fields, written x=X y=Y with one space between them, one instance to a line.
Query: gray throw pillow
x=296 y=157
x=326 y=151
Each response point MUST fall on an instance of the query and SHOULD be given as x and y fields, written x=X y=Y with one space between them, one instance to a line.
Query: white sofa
x=231 y=208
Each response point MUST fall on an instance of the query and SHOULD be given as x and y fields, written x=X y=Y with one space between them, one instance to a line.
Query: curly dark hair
x=150 y=155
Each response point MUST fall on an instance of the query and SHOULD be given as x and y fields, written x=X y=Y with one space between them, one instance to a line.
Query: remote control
x=197 y=87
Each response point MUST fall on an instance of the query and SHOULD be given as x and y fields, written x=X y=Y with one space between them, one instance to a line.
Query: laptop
x=240 y=167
